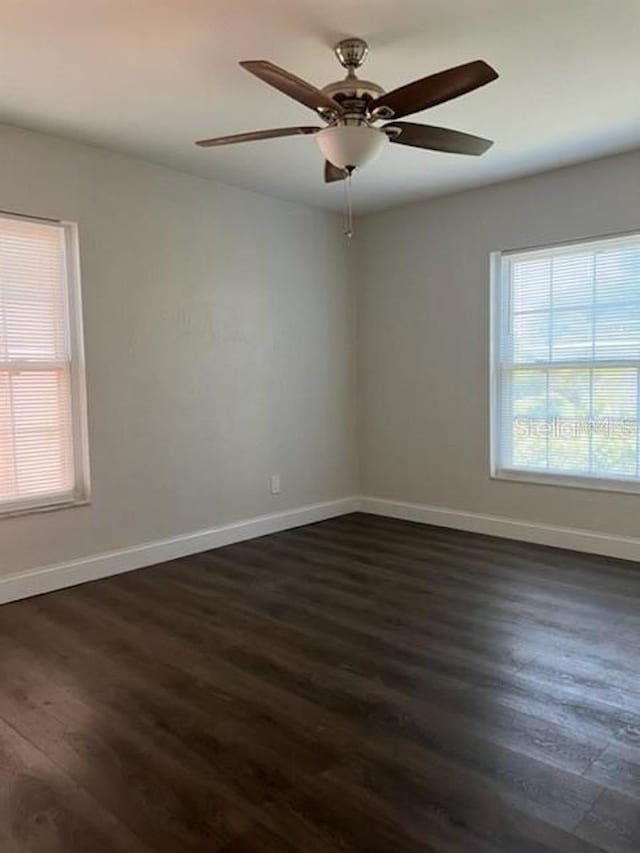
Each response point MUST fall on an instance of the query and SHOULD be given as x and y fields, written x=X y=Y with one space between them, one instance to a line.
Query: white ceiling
x=148 y=77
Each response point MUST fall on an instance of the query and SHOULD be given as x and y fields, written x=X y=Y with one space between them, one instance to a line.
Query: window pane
x=569 y=393
x=531 y=337
x=529 y=442
x=572 y=335
x=617 y=332
x=618 y=275
x=529 y=390
x=40 y=440
x=528 y=404
x=531 y=285
x=569 y=447
x=33 y=322
x=615 y=410
x=615 y=394
x=615 y=450
x=573 y=280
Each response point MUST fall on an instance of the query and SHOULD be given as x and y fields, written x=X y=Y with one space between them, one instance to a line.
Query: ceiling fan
x=351 y=109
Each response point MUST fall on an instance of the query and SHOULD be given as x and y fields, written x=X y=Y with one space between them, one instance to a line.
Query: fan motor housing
x=353 y=89
x=354 y=96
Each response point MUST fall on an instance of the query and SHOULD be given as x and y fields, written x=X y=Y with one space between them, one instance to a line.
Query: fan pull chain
x=348 y=206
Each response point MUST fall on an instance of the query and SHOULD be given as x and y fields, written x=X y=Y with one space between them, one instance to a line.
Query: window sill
x=46 y=505
x=598 y=484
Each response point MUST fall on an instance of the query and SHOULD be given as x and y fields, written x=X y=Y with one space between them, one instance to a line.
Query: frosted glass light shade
x=350 y=145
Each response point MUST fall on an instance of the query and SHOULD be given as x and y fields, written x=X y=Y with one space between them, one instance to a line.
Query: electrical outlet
x=275 y=484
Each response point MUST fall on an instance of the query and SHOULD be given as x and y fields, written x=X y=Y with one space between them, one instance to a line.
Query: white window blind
x=566 y=372
x=42 y=453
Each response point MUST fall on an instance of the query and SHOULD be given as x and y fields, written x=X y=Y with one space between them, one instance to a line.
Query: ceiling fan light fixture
x=350 y=146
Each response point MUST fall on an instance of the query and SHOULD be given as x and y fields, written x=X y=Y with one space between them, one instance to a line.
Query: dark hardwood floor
x=362 y=684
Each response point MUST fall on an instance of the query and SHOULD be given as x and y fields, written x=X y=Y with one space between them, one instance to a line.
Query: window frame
x=499 y=308
x=81 y=493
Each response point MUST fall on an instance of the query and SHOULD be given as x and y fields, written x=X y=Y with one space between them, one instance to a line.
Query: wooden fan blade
x=438 y=138
x=435 y=89
x=291 y=85
x=256 y=134
x=333 y=173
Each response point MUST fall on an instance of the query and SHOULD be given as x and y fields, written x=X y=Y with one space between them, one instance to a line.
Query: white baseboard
x=574 y=539
x=49 y=578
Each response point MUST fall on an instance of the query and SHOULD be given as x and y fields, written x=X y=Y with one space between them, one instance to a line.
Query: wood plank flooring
x=362 y=684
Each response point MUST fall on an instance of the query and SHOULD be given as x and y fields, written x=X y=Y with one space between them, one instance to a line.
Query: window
x=566 y=364
x=43 y=454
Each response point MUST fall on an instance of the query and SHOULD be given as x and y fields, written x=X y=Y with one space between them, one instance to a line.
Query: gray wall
x=423 y=324
x=219 y=344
